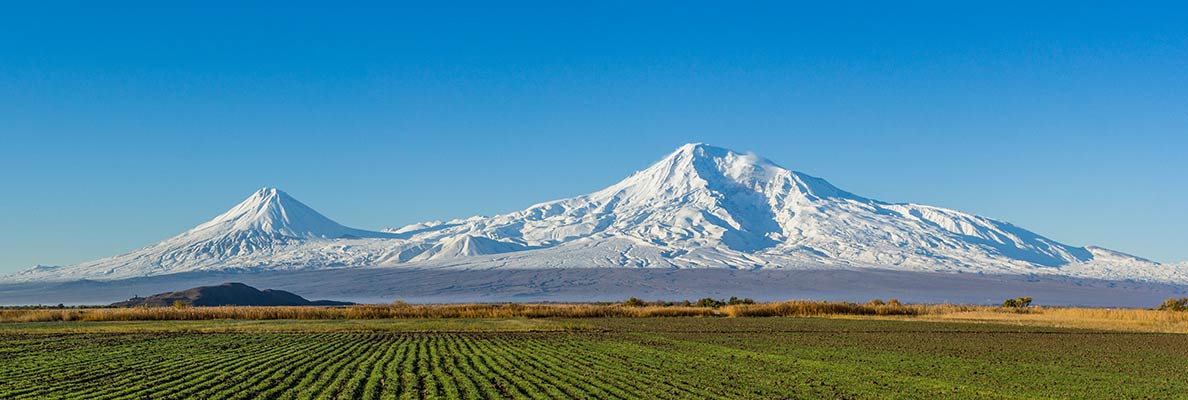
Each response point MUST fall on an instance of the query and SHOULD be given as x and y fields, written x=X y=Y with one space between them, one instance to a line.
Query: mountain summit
x=698 y=167
x=267 y=219
x=270 y=214
x=699 y=207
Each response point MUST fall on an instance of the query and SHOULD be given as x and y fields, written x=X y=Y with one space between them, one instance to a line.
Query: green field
x=646 y=358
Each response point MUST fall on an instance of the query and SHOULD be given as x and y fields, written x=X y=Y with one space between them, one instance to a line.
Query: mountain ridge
x=699 y=207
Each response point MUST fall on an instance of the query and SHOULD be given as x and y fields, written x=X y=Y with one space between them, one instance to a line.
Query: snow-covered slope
x=743 y=207
x=270 y=229
x=699 y=207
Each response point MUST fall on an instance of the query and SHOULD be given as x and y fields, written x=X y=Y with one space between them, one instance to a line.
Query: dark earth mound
x=227 y=294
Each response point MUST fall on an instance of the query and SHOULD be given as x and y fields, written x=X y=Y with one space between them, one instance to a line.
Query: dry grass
x=828 y=308
x=1122 y=319
x=1085 y=318
x=402 y=311
x=396 y=311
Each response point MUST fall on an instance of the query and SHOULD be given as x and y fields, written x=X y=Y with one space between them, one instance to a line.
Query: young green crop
x=677 y=358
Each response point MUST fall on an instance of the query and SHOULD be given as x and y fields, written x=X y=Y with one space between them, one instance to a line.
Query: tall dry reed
x=351 y=312
x=804 y=308
x=778 y=309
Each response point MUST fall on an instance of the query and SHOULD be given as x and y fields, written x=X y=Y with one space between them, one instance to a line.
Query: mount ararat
x=701 y=207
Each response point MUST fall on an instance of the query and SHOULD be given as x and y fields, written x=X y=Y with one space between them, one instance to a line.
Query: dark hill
x=227 y=294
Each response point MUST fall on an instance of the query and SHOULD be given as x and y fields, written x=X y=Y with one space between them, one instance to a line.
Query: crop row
x=329 y=366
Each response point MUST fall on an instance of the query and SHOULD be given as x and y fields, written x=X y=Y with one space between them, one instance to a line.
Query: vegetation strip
x=669 y=358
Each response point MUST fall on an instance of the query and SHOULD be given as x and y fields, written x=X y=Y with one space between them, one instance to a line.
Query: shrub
x=1018 y=302
x=1174 y=304
x=178 y=304
x=634 y=302
x=708 y=302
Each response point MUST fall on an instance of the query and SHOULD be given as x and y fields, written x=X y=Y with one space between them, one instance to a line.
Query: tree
x=734 y=300
x=634 y=302
x=178 y=304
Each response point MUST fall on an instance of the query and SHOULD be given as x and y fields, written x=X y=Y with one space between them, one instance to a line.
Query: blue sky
x=120 y=127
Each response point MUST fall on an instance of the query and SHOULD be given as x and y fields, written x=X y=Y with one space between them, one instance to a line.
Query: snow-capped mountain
x=270 y=229
x=699 y=207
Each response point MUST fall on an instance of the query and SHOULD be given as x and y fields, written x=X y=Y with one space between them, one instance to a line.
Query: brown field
x=1114 y=319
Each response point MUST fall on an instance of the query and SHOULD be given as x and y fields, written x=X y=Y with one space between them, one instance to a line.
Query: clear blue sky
x=120 y=127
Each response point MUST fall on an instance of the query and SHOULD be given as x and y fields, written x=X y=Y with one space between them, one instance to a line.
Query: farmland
x=687 y=357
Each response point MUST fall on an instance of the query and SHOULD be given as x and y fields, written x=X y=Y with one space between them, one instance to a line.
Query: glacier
x=700 y=207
